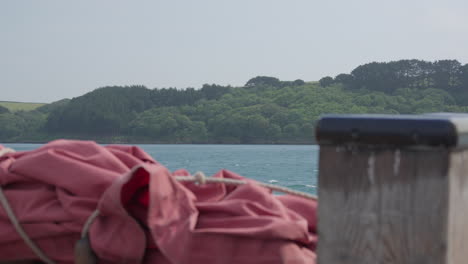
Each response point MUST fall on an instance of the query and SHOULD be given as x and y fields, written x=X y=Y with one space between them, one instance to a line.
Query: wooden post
x=393 y=189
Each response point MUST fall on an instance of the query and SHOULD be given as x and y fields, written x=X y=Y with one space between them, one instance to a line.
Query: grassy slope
x=18 y=106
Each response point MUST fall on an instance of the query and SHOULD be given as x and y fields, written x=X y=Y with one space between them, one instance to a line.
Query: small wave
x=302 y=186
x=273 y=181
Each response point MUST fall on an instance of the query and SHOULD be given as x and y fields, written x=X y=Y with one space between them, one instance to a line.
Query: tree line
x=448 y=75
x=264 y=110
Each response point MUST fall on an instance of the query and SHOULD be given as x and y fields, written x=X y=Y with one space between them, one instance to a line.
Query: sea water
x=293 y=166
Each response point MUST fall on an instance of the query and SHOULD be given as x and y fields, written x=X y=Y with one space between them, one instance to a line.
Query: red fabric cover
x=145 y=215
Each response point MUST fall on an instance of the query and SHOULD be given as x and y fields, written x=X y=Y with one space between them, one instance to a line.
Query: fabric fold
x=145 y=215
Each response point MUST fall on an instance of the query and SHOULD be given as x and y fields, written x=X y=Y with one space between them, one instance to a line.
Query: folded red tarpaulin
x=145 y=215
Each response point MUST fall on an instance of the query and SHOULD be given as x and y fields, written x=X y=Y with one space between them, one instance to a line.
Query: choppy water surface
x=293 y=166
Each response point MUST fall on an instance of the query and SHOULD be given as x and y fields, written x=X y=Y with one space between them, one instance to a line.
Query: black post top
x=439 y=129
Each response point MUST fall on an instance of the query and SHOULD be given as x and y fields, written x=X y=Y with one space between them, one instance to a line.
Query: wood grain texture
x=458 y=208
x=383 y=206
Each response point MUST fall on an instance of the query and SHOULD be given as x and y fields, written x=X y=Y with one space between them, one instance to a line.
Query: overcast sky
x=50 y=50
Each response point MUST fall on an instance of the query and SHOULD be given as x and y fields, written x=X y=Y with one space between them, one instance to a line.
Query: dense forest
x=264 y=110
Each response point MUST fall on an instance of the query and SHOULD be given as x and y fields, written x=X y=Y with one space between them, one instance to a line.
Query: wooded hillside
x=264 y=110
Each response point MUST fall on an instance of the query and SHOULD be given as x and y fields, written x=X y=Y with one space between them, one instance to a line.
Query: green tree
x=346 y=79
x=11 y=126
x=446 y=74
x=291 y=130
x=263 y=81
x=104 y=111
x=298 y=82
x=326 y=81
x=214 y=92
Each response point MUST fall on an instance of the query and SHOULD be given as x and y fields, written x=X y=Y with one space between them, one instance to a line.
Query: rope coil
x=5 y=151
x=200 y=178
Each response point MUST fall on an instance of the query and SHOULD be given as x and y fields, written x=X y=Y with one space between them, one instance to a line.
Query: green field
x=18 y=106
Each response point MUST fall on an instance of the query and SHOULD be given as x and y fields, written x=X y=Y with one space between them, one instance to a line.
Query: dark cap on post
x=440 y=129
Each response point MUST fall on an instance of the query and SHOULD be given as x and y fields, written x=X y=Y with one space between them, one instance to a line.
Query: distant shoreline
x=161 y=143
x=18 y=102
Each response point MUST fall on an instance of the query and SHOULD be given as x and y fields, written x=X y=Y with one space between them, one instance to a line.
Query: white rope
x=200 y=178
x=5 y=151
x=89 y=221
